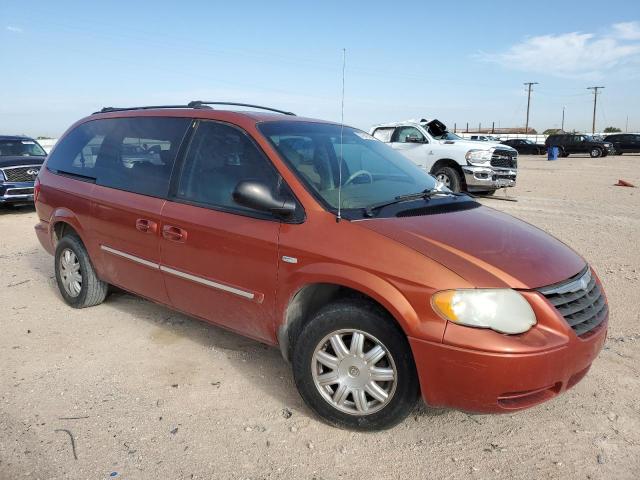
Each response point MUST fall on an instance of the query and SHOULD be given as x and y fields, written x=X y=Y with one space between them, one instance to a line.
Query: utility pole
x=562 y=127
x=626 y=127
x=595 y=102
x=529 y=84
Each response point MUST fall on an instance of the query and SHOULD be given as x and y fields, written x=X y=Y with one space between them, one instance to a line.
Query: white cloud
x=14 y=29
x=573 y=54
x=627 y=30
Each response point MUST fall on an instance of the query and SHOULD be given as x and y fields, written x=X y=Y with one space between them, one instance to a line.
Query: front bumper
x=482 y=371
x=16 y=192
x=479 y=178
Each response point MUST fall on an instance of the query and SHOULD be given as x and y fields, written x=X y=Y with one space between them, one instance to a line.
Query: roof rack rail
x=148 y=107
x=203 y=104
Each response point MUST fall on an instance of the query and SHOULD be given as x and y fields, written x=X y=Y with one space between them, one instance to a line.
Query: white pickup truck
x=460 y=164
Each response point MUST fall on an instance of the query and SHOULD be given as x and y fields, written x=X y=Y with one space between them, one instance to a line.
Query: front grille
x=504 y=159
x=580 y=301
x=21 y=174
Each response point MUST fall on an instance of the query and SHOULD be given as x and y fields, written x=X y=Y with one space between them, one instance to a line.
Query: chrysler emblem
x=33 y=172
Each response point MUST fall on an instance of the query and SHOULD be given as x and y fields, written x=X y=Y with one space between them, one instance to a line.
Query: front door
x=220 y=259
x=414 y=145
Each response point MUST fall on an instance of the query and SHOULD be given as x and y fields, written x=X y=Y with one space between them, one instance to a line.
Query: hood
x=20 y=160
x=485 y=247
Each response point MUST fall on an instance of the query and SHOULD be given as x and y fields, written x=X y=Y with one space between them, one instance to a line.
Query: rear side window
x=383 y=134
x=131 y=154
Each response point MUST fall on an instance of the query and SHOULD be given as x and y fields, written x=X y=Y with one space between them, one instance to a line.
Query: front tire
x=595 y=153
x=449 y=177
x=353 y=366
x=77 y=280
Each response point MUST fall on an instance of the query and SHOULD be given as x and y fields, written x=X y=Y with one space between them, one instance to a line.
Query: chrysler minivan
x=376 y=282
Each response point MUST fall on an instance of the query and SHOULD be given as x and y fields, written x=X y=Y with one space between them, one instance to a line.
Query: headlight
x=479 y=156
x=502 y=310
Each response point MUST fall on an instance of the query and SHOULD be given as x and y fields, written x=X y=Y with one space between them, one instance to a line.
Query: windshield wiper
x=426 y=194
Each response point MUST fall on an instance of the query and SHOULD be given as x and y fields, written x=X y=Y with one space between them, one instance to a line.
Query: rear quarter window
x=383 y=134
x=131 y=154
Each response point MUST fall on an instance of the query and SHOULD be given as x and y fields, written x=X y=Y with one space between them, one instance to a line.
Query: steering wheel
x=358 y=174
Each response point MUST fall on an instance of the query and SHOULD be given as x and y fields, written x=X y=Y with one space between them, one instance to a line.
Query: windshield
x=20 y=148
x=371 y=171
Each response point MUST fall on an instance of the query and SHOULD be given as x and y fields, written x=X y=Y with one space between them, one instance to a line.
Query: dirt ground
x=147 y=393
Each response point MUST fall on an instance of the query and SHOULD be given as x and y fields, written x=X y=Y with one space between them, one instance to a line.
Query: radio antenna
x=344 y=63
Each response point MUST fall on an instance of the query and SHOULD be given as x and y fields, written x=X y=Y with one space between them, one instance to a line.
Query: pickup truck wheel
x=595 y=153
x=449 y=177
x=353 y=367
x=76 y=278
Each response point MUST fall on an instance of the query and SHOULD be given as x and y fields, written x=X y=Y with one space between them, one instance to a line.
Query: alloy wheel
x=354 y=372
x=70 y=272
x=444 y=178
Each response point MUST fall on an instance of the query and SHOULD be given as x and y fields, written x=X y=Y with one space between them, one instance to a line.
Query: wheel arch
x=63 y=222
x=449 y=162
x=309 y=296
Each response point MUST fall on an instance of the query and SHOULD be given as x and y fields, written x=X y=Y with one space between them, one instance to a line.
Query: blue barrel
x=552 y=153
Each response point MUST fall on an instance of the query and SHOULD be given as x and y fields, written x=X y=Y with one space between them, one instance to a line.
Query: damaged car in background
x=460 y=164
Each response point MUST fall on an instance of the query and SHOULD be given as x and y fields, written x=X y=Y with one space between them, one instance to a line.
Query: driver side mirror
x=259 y=196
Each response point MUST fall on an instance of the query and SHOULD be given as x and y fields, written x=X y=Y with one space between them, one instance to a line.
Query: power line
x=595 y=103
x=529 y=84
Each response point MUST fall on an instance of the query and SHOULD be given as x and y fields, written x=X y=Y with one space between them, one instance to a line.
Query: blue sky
x=459 y=62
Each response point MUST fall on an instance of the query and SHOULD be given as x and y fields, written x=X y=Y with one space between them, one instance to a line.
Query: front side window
x=408 y=135
x=131 y=154
x=219 y=158
x=20 y=148
x=326 y=156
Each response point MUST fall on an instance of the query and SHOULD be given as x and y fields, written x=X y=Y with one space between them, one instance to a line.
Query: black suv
x=578 y=143
x=20 y=162
x=624 y=142
x=526 y=147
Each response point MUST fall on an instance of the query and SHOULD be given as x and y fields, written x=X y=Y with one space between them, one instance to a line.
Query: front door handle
x=175 y=234
x=146 y=226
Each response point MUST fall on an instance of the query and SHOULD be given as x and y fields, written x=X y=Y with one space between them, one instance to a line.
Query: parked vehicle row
x=379 y=284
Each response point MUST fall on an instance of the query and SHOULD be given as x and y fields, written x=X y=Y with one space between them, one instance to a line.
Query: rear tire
x=449 y=177
x=338 y=382
x=77 y=280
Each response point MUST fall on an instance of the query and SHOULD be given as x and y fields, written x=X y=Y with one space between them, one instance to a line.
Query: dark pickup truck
x=578 y=143
x=20 y=161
